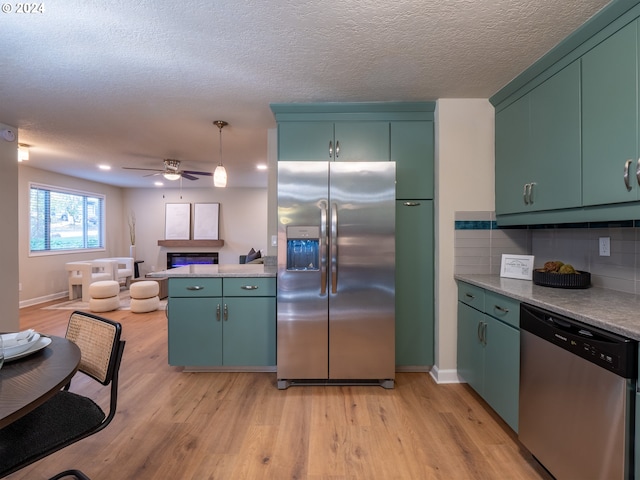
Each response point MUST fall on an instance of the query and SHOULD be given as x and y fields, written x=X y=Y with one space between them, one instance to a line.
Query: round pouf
x=144 y=296
x=104 y=296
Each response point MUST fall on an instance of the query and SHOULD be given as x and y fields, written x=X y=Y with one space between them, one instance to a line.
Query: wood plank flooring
x=176 y=425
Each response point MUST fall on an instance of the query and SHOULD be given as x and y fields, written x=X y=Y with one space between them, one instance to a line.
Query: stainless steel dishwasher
x=577 y=391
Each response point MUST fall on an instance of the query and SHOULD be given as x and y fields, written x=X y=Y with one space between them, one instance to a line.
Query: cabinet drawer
x=503 y=308
x=471 y=295
x=249 y=287
x=195 y=287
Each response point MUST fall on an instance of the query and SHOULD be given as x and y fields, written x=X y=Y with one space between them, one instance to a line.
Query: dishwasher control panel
x=613 y=352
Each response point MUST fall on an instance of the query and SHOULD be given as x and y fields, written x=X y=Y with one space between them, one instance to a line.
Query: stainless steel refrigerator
x=336 y=273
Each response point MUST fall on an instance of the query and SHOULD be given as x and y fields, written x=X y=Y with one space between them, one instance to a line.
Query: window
x=63 y=220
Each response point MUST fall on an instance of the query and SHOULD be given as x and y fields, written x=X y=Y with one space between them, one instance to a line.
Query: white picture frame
x=205 y=221
x=517 y=266
x=177 y=221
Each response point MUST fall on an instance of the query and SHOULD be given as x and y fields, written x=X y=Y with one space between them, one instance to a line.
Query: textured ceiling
x=130 y=83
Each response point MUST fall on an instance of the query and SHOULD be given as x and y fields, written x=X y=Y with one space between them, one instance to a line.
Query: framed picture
x=517 y=266
x=177 y=221
x=205 y=221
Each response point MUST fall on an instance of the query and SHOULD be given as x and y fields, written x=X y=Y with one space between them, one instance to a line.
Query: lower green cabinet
x=215 y=322
x=489 y=348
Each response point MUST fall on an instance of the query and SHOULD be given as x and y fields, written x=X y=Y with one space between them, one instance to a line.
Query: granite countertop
x=614 y=311
x=224 y=270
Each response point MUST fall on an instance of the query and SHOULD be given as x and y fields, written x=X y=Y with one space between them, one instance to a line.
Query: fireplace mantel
x=191 y=243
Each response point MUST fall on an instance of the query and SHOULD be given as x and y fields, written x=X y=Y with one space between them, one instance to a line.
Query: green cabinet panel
x=512 y=156
x=489 y=348
x=610 y=118
x=414 y=283
x=210 y=330
x=412 y=148
x=502 y=369
x=195 y=332
x=340 y=141
x=538 y=149
x=556 y=160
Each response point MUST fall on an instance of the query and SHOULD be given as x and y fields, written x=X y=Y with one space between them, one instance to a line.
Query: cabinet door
x=300 y=141
x=470 y=349
x=249 y=331
x=513 y=163
x=414 y=283
x=195 y=334
x=412 y=149
x=362 y=141
x=502 y=370
x=610 y=125
x=556 y=161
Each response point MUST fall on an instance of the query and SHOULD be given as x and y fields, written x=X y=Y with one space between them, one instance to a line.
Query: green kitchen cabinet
x=222 y=322
x=610 y=119
x=366 y=141
x=489 y=348
x=412 y=148
x=538 y=149
x=414 y=283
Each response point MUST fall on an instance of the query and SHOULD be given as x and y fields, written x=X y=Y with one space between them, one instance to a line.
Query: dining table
x=28 y=382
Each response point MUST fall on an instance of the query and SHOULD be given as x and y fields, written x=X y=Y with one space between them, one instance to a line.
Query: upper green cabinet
x=610 y=119
x=538 y=162
x=412 y=150
x=340 y=141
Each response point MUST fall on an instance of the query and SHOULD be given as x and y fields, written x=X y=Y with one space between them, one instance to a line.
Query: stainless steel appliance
x=336 y=273
x=576 y=396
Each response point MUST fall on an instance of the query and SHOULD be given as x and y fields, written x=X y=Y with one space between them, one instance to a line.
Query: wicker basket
x=562 y=280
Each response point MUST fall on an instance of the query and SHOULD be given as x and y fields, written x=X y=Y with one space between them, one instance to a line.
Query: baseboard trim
x=444 y=376
x=45 y=299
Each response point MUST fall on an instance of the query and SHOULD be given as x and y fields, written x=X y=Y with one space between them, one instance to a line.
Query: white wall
x=464 y=176
x=9 y=320
x=242 y=221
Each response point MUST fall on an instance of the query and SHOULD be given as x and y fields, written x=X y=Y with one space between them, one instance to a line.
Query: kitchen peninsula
x=222 y=317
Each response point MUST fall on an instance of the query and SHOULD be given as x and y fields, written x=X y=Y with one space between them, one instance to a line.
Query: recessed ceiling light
x=158 y=184
x=261 y=166
x=104 y=167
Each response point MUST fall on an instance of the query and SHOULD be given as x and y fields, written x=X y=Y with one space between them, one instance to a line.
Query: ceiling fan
x=172 y=171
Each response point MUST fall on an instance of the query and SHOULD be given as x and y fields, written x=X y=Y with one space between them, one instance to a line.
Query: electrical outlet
x=604 y=246
x=274 y=240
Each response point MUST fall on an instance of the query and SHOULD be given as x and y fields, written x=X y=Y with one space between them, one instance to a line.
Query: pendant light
x=220 y=174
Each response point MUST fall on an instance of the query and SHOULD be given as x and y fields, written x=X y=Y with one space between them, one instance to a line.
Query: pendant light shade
x=220 y=174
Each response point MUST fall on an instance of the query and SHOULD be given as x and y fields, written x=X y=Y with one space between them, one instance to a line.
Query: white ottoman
x=104 y=296
x=144 y=296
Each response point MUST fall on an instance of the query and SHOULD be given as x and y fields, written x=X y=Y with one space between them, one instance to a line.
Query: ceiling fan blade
x=191 y=172
x=187 y=176
x=160 y=172
x=148 y=169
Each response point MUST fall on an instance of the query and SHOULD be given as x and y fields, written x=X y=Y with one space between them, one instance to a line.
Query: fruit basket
x=562 y=280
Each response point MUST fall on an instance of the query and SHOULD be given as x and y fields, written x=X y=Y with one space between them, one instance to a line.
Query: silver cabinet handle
x=218 y=312
x=330 y=149
x=638 y=172
x=525 y=193
x=627 y=183
x=334 y=248
x=323 y=248
x=531 y=192
x=411 y=204
x=484 y=333
x=479 y=332
x=337 y=149
x=468 y=295
x=226 y=312
x=501 y=309
x=249 y=287
x=195 y=288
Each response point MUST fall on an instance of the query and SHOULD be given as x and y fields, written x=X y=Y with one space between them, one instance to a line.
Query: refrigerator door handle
x=323 y=248
x=334 y=248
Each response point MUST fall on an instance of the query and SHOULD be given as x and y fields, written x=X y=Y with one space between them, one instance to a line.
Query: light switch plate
x=604 y=246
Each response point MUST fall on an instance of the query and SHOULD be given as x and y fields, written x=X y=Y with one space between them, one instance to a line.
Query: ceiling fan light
x=171 y=176
x=220 y=177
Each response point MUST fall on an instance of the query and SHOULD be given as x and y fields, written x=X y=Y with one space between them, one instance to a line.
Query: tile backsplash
x=480 y=243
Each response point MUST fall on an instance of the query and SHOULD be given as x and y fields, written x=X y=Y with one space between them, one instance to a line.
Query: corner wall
x=464 y=174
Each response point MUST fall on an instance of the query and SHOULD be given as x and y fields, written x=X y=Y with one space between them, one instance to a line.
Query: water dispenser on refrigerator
x=303 y=248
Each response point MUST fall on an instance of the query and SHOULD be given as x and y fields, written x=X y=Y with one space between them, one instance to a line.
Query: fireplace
x=192 y=258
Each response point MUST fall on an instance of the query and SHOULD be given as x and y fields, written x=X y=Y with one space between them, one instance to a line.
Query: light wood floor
x=175 y=425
